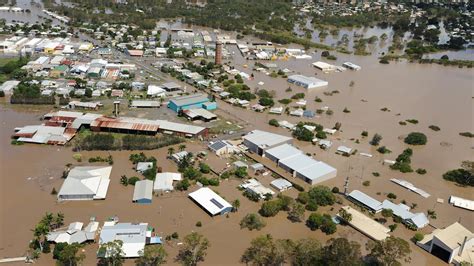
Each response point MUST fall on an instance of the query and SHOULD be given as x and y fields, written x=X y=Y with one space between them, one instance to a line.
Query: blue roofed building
x=192 y=101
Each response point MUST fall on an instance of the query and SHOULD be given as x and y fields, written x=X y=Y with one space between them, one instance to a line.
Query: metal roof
x=317 y=170
x=366 y=200
x=141 y=103
x=283 y=151
x=217 y=145
x=190 y=99
x=210 y=200
x=281 y=184
x=133 y=237
x=86 y=180
x=265 y=139
x=143 y=190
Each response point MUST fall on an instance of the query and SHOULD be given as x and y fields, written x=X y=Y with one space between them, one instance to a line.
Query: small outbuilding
x=281 y=184
x=143 y=192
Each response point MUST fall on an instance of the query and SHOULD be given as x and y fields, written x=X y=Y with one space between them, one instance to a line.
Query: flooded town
x=244 y=132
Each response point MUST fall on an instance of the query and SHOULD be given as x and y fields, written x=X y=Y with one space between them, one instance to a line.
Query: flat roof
x=367 y=226
x=265 y=139
x=210 y=200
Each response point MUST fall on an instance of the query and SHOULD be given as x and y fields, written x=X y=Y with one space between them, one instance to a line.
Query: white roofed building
x=258 y=141
x=86 y=183
x=210 y=201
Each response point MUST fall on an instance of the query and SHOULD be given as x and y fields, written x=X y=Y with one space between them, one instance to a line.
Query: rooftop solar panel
x=220 y=206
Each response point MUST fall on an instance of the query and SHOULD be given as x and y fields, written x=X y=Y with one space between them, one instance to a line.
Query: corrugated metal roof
x=190 y=99
x=143 y=190
x=265 y=139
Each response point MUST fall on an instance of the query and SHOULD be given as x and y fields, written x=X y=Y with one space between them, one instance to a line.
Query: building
x=164 y=181
x=42 y=134
x=192 y=101
x=462 y=203
x=365 y=225
x=255 y=187
x=221 y=147
x=351 y=66
x=325 y=67
x=171 y=86
x=74 y=233
x=199 y=114
x=307 y=82
x=144 y=104
x=155 y=91
x=453 y=244
x=8 y=86
x=143 y=166
x=143 y=191
x=134 y=237
x=300 y=165
x=258 y=141
x=281 y=184
x=415 y=220
x=86 y=183
x=210 y=201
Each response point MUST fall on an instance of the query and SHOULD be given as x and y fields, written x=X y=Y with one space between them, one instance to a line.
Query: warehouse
x=258 y=141
x=281 y=152
x=144 y=104
x=43 y=135
x=210 y=201
x=199 y=114
x=307 y=82
x=86 y=183
x=191 y=101
x=143 y=191
x=316 y=173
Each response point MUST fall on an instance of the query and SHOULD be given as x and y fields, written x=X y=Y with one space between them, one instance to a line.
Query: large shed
x=258 y=141
x=210 y=201
x=143 y=191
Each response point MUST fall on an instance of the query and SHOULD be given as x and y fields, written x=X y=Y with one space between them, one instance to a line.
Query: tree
x=170 y=151
x=273 y=122
x=375 y=140
x=461 y=176
x=235 y=205
x=124 y=180
x=389 y=251
x=111 y=253
x=241 y=172
x=270 y=208
x=314 y=221
x=263 y=251
x=296 y=213
x=322 y=195
x=153 y=255
x=340 y=251
x=193 y=250
x=307 y=252
x=266 y=101
x=68 y=255
x=416 y=138
x=204 y=168
x=182 y=147
x=346 y=216
x=252 y=221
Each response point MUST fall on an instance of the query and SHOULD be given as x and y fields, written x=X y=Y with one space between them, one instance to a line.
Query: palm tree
x=39 y=232
x=182 y=147
x=47 y=219
x=170 y=151
x=59 y=219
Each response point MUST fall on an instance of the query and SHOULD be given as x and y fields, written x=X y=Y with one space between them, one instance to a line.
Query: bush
x=376 y=174
x=387 y=213
x=175 y=235
x=376 y=140
x=364 y=133
x=346 y=110
x=199 y=224
x=335 y=190
x=383 y=150
x=366 y=183
x=460 y=176
x=434 y=128
x=323 y=222
x=321 y=195
x=393 y=227
x=303 y=197
x=204 y=168
x=416 y=138
x=273 y=122
x=252 y=221
x=421 y=171
x=467 y=134
x=270 y=208
x=298 y=96
x=418 y=237
x=132 y=180
x=391 y=196
x=412 y=121
x=384 y=61
x=285 y=101
x=183 y=185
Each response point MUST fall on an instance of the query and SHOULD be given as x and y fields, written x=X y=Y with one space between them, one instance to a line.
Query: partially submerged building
x=199 y=114
x=453 y=244
x=74 y=233
x=210 y=201
x=255 y=187
x=134 y=237
x=307 y=82
x=222 y=147
x=258 y=141
x=143 y=191
x=86 y=183
x=164 y=181
x=42 y=134
x=281 y=184
x=365 y=225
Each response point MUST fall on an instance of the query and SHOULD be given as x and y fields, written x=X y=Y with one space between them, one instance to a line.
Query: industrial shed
x=191 y=101
x=86 y=183
x=210 y=201
x=307 y=82
x=258 y=141
x=144 y=104
x=316 y=173
x=281 y=152
x=143 y=192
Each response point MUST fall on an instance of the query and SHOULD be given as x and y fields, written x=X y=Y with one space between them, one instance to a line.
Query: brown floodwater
x=432 y=94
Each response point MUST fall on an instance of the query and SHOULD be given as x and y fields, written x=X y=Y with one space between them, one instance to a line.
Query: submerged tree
x=152 y=255
x=194 y=249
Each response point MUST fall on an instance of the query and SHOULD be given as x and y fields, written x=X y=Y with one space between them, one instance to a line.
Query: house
x=257 y=167
x=86 y=183
x=192 y=101
x=74 y=233
x=281 y=184
x=199 y=114
x=143 y=166
x=240 y=164
x=59 y=71
x=344 y=150
x=84 y=105
x=164 y=181
x=43 y=135
x=325 y=144
x=171 y=86
x=258 y=141
x=325 y=67
x=8 y=86
x=134 y=237
x=462 y=203
x=155 y=91
x=453 y=244
x=221 y=147
x=351 y=66
x=307 y=82
x=143 y=191
x=210 y=201
x=255 y=187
